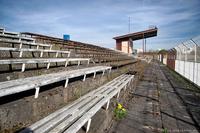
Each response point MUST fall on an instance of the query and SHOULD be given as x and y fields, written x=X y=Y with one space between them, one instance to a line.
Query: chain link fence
x=189 y=50
x=188 y=59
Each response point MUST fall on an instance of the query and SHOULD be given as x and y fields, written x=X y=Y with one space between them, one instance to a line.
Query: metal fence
x=187 y=61
x=189 y=50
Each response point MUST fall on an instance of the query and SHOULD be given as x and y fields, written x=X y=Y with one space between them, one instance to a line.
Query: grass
x=182 y=80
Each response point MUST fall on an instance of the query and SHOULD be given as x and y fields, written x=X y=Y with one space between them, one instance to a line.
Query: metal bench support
x=37 y=89
x=88 y=125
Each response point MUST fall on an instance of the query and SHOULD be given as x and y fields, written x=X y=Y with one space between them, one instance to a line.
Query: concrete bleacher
x=19 y=85
x=38 y=55
x=71 y=118
x=17 y=38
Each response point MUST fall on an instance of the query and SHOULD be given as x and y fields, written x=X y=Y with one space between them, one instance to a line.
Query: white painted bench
x=2 y=31
x=20 y=42
x=21 y=50
x=71 y=118
x=17 y=36
x=42 y=60
x=19 y=85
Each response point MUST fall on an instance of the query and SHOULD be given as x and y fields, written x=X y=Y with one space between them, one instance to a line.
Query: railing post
x=88 y=62
x=125 y=87
x=118 y=94
x=37 y=89
x=66 y=63
x=94 y=74
x=88 y=125
x=66 y=82
x=56 y=54
x=103 y=72
x=23 y=67
x=50 y=47
x=79 y=63
x=41 y=54
x=20 y=46
x=84 y=77
x=68 y=54
x=107 y=105
x=20 y=53
x=48 y=65
x=110 y=71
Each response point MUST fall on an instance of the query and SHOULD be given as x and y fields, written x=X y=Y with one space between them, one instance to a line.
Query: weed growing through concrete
x=120 y=112
x=165 y=130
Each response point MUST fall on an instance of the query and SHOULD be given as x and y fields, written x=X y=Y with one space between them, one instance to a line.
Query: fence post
x=185 y=61
x=179 y=62
x=195 y=61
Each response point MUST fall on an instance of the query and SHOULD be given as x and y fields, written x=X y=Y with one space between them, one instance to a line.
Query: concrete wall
x=125 y=46
x=165 y=61
x=189 y=70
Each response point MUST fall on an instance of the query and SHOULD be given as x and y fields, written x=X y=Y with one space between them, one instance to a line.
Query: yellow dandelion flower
x=119 y=106
x=123 y=109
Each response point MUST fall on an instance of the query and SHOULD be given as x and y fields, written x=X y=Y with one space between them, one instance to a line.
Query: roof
x=139 y=35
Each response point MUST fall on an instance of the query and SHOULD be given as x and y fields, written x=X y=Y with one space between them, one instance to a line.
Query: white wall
x=189 y=70
x=165 y=61
x=125 y=46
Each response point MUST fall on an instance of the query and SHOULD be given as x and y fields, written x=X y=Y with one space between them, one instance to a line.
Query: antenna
x=129 y=24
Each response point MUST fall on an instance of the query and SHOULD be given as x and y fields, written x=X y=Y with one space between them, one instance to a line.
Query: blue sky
x=98 y=21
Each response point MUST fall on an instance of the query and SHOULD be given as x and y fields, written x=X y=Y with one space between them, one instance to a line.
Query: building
x=124 y=43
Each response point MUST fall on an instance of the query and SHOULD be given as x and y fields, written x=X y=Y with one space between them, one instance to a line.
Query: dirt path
x=156 y=105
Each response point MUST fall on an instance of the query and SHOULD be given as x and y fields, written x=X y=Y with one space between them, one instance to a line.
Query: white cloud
x=98 y=21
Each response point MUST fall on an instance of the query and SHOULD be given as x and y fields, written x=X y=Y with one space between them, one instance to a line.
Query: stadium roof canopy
x=139 y=35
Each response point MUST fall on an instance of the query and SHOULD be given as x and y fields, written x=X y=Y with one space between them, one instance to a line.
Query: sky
x=98 y=21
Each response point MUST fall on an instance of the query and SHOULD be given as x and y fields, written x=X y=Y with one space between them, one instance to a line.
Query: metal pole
x=143 y=44
x=195 y=60
x=129 y=23
x=179 y=67
x=185 y=59
x=195 y=50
